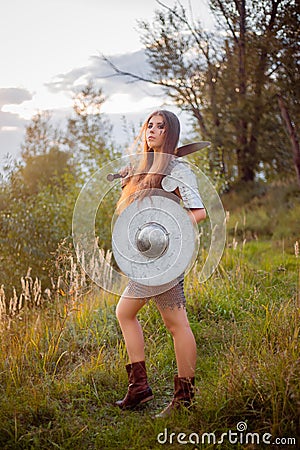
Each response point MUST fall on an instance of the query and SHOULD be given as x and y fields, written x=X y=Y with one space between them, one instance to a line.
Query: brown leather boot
x=138 y=389
x=183 y=395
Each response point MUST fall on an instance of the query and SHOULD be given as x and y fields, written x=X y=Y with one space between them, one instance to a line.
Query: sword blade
x=191 y=148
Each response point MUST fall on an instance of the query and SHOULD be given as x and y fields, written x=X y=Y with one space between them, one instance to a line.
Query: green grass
x=62 y=365
x=262 y=211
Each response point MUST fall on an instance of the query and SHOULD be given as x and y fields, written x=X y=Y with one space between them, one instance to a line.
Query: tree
x=39 y=136
x=288 y=79
x=253 y=26
x=88 y=139
x=293 y=135
x=88 y=134
x=37 y=202
x=37 y=197
x=171 y=44
x=225 y=81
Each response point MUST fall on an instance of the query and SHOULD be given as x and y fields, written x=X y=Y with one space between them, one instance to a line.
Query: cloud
x=124 y=98
x=11 y=133
x=65 y=82
x=103 y=75
x=8 y=119
x=135 y=100
x=12 y=125
x=14 y=96
x=10 y=144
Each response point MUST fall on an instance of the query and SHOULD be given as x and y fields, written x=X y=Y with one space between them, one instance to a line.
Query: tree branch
x=186 y=22
x=119 y=72
x=219 y=2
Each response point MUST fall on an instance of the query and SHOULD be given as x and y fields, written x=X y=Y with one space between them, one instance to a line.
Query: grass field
x=62 y=364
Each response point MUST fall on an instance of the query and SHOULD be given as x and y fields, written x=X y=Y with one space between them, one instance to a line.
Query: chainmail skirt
x=171 y=298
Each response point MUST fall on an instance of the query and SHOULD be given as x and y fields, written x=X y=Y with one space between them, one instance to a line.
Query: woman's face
x=156 y=132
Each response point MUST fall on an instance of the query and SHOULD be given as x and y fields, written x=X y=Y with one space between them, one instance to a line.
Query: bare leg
x=139 y=390
x=126 y=313
x=177 y=323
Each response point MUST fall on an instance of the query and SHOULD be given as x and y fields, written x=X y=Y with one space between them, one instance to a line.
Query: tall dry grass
x=62 y=361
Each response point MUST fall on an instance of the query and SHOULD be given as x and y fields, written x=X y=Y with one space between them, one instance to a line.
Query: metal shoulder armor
x=181 y=176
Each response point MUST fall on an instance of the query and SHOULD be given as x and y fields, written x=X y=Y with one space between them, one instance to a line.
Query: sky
x=50 y=48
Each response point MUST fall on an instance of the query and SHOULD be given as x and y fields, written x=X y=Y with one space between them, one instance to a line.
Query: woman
x=161 y=134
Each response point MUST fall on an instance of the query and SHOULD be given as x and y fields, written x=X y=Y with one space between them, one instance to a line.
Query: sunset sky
x=49 y=48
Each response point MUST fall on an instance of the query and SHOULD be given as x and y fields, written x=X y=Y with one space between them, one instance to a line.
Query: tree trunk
x=244 y=153
x=292 y=133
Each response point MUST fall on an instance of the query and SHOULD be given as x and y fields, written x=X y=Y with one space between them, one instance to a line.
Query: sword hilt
x=113 y=176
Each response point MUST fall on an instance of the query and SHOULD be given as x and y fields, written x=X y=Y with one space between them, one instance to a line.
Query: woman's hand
x=126 y=173
x=197 y=215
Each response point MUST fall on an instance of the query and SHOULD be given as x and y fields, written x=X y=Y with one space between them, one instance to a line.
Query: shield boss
x=154 y=240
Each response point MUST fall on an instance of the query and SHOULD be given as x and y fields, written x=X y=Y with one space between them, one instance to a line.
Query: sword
x=180 y=151
x=191 y=148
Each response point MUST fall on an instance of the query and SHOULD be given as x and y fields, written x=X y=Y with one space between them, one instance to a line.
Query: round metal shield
x=154 y=240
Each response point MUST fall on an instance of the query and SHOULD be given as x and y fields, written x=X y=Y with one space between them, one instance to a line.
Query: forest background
x=240 y=87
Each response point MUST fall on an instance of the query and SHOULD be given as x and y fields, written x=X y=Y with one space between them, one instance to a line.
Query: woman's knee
x=175 y=320
x=126 y=309
x=118 y=313
x=176 y=328
x=121 y=312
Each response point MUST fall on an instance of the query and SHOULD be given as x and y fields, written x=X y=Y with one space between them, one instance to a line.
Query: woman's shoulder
x=178 y=172
x=182 y=177
x=179 y=166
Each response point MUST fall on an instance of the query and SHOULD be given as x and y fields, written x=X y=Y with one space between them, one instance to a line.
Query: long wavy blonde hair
x=153 y=164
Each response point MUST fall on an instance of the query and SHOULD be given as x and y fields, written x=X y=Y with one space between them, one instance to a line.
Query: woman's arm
x=197 y=214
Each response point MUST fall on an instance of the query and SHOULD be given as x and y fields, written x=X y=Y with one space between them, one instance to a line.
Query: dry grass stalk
x=72 y=284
